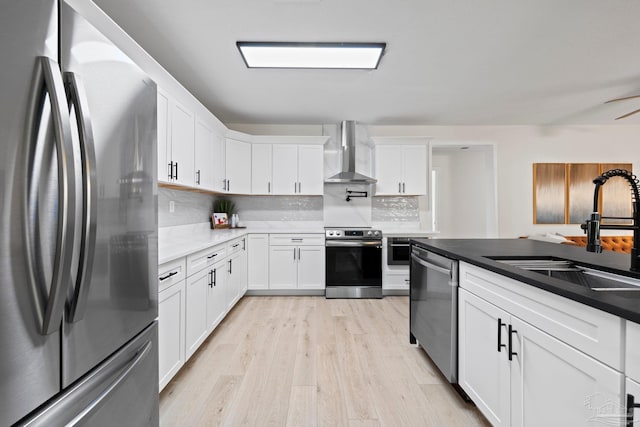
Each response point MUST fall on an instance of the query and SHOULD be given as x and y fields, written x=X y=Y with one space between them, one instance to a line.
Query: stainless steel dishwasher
x=434 y=308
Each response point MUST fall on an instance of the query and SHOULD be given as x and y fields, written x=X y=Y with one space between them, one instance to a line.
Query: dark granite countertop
x=625 y=304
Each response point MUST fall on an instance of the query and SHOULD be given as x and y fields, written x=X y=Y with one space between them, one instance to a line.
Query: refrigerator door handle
x=78 y=99
x=48 y=79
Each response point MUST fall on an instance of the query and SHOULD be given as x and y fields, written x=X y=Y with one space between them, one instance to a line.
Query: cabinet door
x=310 y=169
x=238 y=167
x=632 y=390
x=196 y=324
x=237 y=278
x=388 y=169
x=414 y=168
x=182 y=144
x=285 y=169
x=258 y=261
x=483 y=372
x=164 y=132
x=311 y=271
x=283 y=267
x=219 y=163
x=216 y=295
x=203 y=159
x=553 y=384
x=261 y=163
x=171 y=323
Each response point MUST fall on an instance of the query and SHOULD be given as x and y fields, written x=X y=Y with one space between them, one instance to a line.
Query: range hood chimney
x=348 y=174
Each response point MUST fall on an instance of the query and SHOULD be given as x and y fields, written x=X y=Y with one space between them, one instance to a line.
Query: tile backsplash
x=279 y=208
x=190 y=208
x=193 y=208
x=395 y=209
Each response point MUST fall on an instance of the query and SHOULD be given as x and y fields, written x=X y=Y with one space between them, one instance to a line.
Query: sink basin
x=569 y=271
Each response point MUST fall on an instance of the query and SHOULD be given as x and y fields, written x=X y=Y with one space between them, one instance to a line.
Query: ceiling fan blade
x=622 y=99
x=629 y=114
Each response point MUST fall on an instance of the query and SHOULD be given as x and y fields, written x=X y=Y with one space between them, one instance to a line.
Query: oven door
x=398 y=251
x=353 y=264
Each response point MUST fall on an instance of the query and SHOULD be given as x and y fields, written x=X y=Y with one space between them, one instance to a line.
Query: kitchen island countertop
x=625 y=304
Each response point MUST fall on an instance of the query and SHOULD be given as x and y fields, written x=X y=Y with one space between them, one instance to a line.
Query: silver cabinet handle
x=198 y=177
x=230 y=266
x=299 y=187
x=299 y=255
x=403 y=189
x=297 y=239
x=399 y=187
x=269 y=187
x=228 y=185
x=78 y=99
x=49 y=80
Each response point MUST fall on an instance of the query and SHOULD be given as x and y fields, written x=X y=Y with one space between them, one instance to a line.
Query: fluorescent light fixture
x=358 y=56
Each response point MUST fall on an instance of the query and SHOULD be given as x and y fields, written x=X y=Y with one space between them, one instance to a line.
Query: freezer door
x=31 y=208
x=122 y=391
x=114 y=293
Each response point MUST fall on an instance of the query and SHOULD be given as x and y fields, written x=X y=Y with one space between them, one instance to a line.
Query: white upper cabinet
x=285 y=169
x=176 y=127
x=298 y=169
x=238 y=167
x=310 y=169
x=261 y=168
x=164 y=129
x=203 y=160
x=219 y=175
x=401 y=169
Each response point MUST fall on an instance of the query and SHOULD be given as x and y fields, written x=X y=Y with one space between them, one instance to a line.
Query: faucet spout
x=592 y=226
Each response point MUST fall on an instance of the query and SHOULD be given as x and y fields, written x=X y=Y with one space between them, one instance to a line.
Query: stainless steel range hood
x=348 y=174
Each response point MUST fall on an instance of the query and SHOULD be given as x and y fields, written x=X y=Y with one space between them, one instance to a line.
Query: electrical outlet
x=172 y=206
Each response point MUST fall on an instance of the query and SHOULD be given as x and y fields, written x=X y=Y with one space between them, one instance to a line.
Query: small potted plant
x=222 y=211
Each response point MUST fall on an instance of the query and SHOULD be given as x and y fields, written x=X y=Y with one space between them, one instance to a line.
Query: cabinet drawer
x=171 y=272
x=296 y=239
x=236 y=245
x=592 y=331
x=204 y=258
x=633 y=351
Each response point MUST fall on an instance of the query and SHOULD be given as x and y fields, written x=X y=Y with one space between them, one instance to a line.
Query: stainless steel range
x=353 y=263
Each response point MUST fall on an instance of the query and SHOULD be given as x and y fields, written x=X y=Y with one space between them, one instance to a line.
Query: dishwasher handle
x=432 y=266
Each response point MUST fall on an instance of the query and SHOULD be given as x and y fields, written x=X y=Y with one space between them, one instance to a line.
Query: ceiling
x=448 y=62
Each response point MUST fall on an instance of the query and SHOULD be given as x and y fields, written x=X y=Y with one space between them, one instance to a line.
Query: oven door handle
x=402 y=245
x=349 y=244
x=432 y=266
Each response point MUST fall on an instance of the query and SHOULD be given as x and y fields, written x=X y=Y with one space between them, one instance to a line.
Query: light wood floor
x=309 y=361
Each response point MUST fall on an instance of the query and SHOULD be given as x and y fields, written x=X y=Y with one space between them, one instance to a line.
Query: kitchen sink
x=569 y=271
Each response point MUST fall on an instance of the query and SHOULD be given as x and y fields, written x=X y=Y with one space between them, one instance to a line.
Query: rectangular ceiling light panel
x=362 y=56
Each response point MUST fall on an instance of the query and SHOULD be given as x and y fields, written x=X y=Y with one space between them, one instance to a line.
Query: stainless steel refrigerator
x=78 y=240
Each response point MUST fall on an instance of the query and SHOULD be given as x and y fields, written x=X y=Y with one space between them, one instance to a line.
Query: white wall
x=464 y=191
x=518 y=147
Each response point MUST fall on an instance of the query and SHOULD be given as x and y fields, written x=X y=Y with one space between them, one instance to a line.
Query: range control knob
x=330 y=233
x=369 y=233
x=376 y=233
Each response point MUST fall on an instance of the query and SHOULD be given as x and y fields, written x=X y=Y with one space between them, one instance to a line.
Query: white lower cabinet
x=296 y=261
x=283 y=268
x=632 y=411
x=311 y=272
x=237 y=268
x=171 y=324
x=216 y=299
x=518 y=374
x=196 y=325
x=258 y=261
x=483 y=371
x=552 y=383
